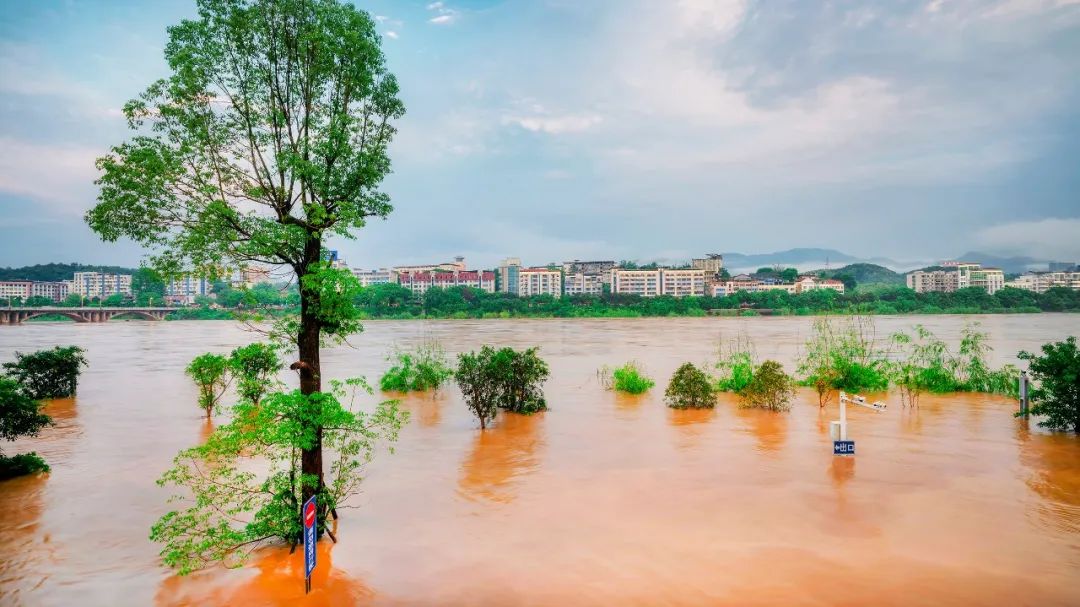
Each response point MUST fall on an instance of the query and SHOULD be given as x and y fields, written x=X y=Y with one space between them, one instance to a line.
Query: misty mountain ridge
x=809 y=258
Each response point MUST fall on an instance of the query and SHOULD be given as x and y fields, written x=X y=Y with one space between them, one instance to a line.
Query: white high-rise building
x=539 y=281
x=100 y=285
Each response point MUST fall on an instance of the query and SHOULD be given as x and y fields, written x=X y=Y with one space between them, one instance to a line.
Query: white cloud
x=59 y=176
x=1051 y=238
x=445 y=16
x=555 y=125
x=391 y=34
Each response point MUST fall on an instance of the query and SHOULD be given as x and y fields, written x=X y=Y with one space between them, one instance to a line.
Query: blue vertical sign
x=310 y=519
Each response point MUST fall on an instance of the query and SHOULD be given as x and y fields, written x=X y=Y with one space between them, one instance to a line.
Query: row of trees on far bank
x=24 y=383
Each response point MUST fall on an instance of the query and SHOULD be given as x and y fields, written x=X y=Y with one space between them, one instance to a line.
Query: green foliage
x=255 y=367
x=770 y=388
x=925 y=364
x=735 y=366
x=229 y=511
x=630 y=378
x=842 y=355
x=21 y=464
x=210 y=372
x=505 y=378
x=1055 y=394
x=20 y=415
x=425 y=368
x=50 y=373
x=690 y=388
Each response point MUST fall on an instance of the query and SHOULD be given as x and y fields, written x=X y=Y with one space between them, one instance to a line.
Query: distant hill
x=867 y=274
x=1011 y=265
x=791 y=257
x=55 y=272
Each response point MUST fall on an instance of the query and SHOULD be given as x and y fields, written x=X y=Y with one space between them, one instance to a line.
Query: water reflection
x=278 y=579
x=690 y=426
x=769 y=428
x=501 y=454
x=425 y=408
x=628 y=406
x=1053 y=466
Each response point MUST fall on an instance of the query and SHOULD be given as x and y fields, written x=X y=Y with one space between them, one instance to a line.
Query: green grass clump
x=425 y=368
x=631 y=379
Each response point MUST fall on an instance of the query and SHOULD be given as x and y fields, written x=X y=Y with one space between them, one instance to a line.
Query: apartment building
x=458 y=265
x=810 y=283
x=374 y=277
x=56 y=291
x=183 y=291
x=509 y=272
x=420 y=282
x=711 y=263
x=539 y=281
x=601 y=268
x=10 y=289
x=581 y=283
x=956 y=275
x=683 y=282
x=645 y=283
x=100 y=285
x=1040 y=282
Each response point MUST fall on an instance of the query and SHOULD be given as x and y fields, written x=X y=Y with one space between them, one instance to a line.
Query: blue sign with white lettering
x=843 y=447
x=309 y=518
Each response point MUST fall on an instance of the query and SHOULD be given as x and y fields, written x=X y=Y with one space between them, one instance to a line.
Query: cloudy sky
x=624 y=129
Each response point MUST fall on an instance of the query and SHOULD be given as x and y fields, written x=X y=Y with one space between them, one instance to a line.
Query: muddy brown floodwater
x=605 y=499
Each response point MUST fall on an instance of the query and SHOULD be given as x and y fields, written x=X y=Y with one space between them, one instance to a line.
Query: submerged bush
x=20 y=415
x=425 y=368
x=492 y=379
x=210 y=374
x=1056 y=391
x=925 y=364
x=48 y=373
x=769 y=388
x=843 y=355
x=690 y=388
x=735 y=367
x=631 y=379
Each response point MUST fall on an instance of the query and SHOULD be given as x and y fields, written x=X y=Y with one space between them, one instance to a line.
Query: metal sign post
x=838 y=429
x=1024 y=393
x=309 y=518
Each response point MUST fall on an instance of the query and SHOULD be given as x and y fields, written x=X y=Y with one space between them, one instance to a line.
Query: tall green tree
x=268 y=137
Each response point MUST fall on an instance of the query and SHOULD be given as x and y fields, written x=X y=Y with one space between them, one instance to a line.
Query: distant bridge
x=14 y=316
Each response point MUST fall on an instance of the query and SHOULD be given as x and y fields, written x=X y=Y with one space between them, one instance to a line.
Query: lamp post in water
x=838 y=429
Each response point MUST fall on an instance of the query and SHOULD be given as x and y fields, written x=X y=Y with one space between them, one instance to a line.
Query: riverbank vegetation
x=690 y=388
x=501 y=379
x=629 y=378
x=423 y=368
x=255 y=368
x=20 y=415
x=842 y=354
x=52 y=373
x=210 y=372
x=1056 y=387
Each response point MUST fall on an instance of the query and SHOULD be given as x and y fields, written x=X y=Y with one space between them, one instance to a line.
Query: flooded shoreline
x=604 y=499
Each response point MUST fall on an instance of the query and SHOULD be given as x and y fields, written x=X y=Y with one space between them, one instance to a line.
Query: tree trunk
x=310 y=376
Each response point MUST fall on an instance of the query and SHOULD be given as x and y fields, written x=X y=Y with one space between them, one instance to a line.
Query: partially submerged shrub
x=20 y=415
x=48 y=373
x=690 y=388
x=1056 y=390
x=210 y=374
x=843 y=355
x=631 y=379
x=769 y=388
x=425 y=368
x=492 y=379
x=735 y=366
x=255 y=367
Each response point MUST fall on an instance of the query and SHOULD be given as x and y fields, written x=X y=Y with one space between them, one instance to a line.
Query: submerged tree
x=423 y=368
x=269 y=137
x=492 y=379
x=52 y=373
x=235 y=511
x=1056 y=393
x=255 y=367
x=210 y=372
x=690 y=388
x=769 y=388
x=20 y=415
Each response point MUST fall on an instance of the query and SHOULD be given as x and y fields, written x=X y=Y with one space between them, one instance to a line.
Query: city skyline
x=597 y=130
